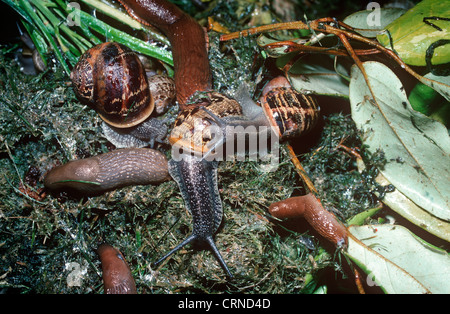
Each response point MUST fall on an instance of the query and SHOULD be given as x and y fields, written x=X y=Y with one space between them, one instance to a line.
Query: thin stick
x=300 y=170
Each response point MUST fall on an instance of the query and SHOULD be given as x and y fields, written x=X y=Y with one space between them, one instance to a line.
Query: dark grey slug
x=197 y=180
x=105 y=172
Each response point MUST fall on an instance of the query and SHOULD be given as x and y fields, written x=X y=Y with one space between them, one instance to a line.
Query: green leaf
x=402 y=205
x=398 y=261
x=369 y=23
x=411 y=36
x=416 y=147
x=274 y=52
x=316 y=79
x=441 y=84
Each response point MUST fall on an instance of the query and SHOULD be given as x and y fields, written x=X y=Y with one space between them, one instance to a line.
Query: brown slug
x=109 y=171
x=188 y=41
x=310 y=207
x=116 y=274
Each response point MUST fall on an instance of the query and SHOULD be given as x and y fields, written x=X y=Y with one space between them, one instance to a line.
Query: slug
x=309 y=207
x=116 y=273
x=188 y=41
x=197 y=180
x=105 y=172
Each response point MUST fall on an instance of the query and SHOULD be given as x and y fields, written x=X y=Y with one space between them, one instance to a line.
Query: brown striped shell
x=111 y=79
x=163 y=91
x=192 y=127
x=290 y=112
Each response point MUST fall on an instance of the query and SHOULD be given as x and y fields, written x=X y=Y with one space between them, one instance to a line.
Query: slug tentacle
x=197 y=180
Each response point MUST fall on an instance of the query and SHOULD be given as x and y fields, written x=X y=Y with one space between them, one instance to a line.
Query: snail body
x=116 y=274
x=197 y=180
x=105 y=172
x=111 y=79
x=147 y=133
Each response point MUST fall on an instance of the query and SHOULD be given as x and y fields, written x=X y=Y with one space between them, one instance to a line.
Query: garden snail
x=105 y=172
x=111 y=79
x=290 y=113
x=287 y=111
x=116 y=274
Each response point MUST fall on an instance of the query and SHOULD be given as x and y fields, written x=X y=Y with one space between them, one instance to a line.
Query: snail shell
x=192 y=127
x=163 y=91
x=111 y=79
x=105 y=172
x=289 y=112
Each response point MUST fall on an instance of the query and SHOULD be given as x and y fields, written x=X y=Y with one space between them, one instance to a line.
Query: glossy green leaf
x=370 y=22
x=411 y=36
x=416 y=148
x=441 y=84
x=398 y=261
